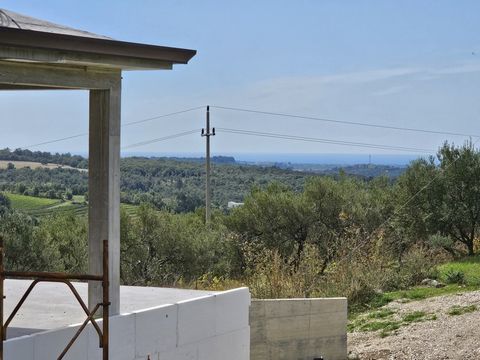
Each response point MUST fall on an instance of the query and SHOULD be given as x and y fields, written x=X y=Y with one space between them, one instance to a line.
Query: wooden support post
x=104 y=192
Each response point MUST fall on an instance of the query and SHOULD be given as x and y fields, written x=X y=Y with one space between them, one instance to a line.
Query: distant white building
x=233 y=204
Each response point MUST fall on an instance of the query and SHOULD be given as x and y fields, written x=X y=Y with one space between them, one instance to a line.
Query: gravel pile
x=447 y=337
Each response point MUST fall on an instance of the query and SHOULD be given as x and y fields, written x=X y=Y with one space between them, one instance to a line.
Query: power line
x=123 y=125
x=54 y=141
x=161 y=116
x=344 y=122
x=325 y=141
x=173 y=136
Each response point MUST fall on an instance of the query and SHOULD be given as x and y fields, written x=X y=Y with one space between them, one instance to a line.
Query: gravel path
x=447 y=337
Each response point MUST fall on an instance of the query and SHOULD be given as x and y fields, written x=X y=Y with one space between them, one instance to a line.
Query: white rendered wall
x=214 y=327
x=300 y=329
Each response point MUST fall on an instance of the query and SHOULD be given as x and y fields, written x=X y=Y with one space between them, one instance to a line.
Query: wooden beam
x=81 y=59
x=57 y=76
x=104 y=191
x=8 y=87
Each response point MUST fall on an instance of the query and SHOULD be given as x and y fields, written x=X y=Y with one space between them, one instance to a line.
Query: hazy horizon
x=294 y=158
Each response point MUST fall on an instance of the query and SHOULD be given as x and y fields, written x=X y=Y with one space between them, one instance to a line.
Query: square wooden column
x=104 y=191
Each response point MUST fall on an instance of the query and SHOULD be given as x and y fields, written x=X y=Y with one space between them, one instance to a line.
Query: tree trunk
x=469 y=244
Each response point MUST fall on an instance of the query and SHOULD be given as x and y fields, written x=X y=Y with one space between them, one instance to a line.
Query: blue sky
x=409 y=63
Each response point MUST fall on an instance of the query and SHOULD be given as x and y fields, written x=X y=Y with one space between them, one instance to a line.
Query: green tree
x=24 y=251
x=443 y=199
x=67 y=234
x=5 y=201
x=275 y=217
x=161 y=248
x=460 y=215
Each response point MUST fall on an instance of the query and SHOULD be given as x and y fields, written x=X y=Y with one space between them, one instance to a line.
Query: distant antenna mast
x=206 y=133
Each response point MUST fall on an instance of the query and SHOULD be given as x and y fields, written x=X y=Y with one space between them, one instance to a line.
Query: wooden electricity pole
x=206 y=133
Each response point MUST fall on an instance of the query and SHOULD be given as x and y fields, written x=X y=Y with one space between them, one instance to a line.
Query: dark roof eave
x=62 y=42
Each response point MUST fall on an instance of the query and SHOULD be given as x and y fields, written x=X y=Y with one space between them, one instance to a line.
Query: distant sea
x=297 y=158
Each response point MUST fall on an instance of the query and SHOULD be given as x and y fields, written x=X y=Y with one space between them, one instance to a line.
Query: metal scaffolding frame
x=66 y=279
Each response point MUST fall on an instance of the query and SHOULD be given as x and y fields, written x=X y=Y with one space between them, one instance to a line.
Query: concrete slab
x=52 y=305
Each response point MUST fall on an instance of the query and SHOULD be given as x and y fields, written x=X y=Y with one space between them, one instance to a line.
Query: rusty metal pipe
x=61 y=278
x=2 y=336
x=51 y=275
x=106 y=301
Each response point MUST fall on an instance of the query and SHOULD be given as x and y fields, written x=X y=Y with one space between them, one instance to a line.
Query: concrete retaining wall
x=298 y=329
x=213 y=327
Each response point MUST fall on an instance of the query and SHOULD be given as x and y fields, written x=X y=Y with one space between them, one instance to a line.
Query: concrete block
x=259 y=351
x=48 y=345
x=258 y=331
x=288 y=350
x=94 y=350
x=288 y=328
x=186 y=352
x=121 y=340
x=326 y=305
x=122 y=337
x=286 y=307
x=19 y=348
x=328 y=324
x=232 y=346
x=232 y=310
x=257 y=310
x=298 y=329
x=196 y=320
x=155 y=330
x=331 y=348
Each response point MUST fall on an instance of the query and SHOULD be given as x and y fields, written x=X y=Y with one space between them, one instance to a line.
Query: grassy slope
x=28 y=203
x=37 y=206
x=379 y=318
x=470 y=267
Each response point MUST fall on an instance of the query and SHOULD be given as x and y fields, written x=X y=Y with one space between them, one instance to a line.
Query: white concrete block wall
x=301 y=329
x=214 y=327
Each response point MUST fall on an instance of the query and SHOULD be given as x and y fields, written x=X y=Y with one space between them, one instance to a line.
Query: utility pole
x=206 y=133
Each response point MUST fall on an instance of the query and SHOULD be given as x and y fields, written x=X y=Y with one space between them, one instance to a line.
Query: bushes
x=269 y=275
x=162 y=249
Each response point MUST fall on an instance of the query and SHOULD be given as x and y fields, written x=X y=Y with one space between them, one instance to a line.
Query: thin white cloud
x=361 y=77
x=390 y=90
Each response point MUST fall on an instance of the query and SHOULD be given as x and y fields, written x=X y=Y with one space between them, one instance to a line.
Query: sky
x=404 y=63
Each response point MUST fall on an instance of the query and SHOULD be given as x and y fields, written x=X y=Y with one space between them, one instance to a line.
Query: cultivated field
x=34 y=165
x=37 y=206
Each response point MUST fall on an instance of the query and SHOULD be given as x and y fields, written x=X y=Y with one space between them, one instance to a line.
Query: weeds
x=387 y=321
x=415 y=316
x=455 y=277
x=460 y=310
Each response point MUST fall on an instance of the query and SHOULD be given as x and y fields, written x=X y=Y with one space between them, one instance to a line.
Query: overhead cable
x=344 y=122
x=147 y=142
x=325 y=141
x=123 y=125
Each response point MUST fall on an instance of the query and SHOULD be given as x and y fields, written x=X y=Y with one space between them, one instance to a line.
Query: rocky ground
x=444 y=327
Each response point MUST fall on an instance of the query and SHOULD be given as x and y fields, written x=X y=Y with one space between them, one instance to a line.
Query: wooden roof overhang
x=49 y=57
